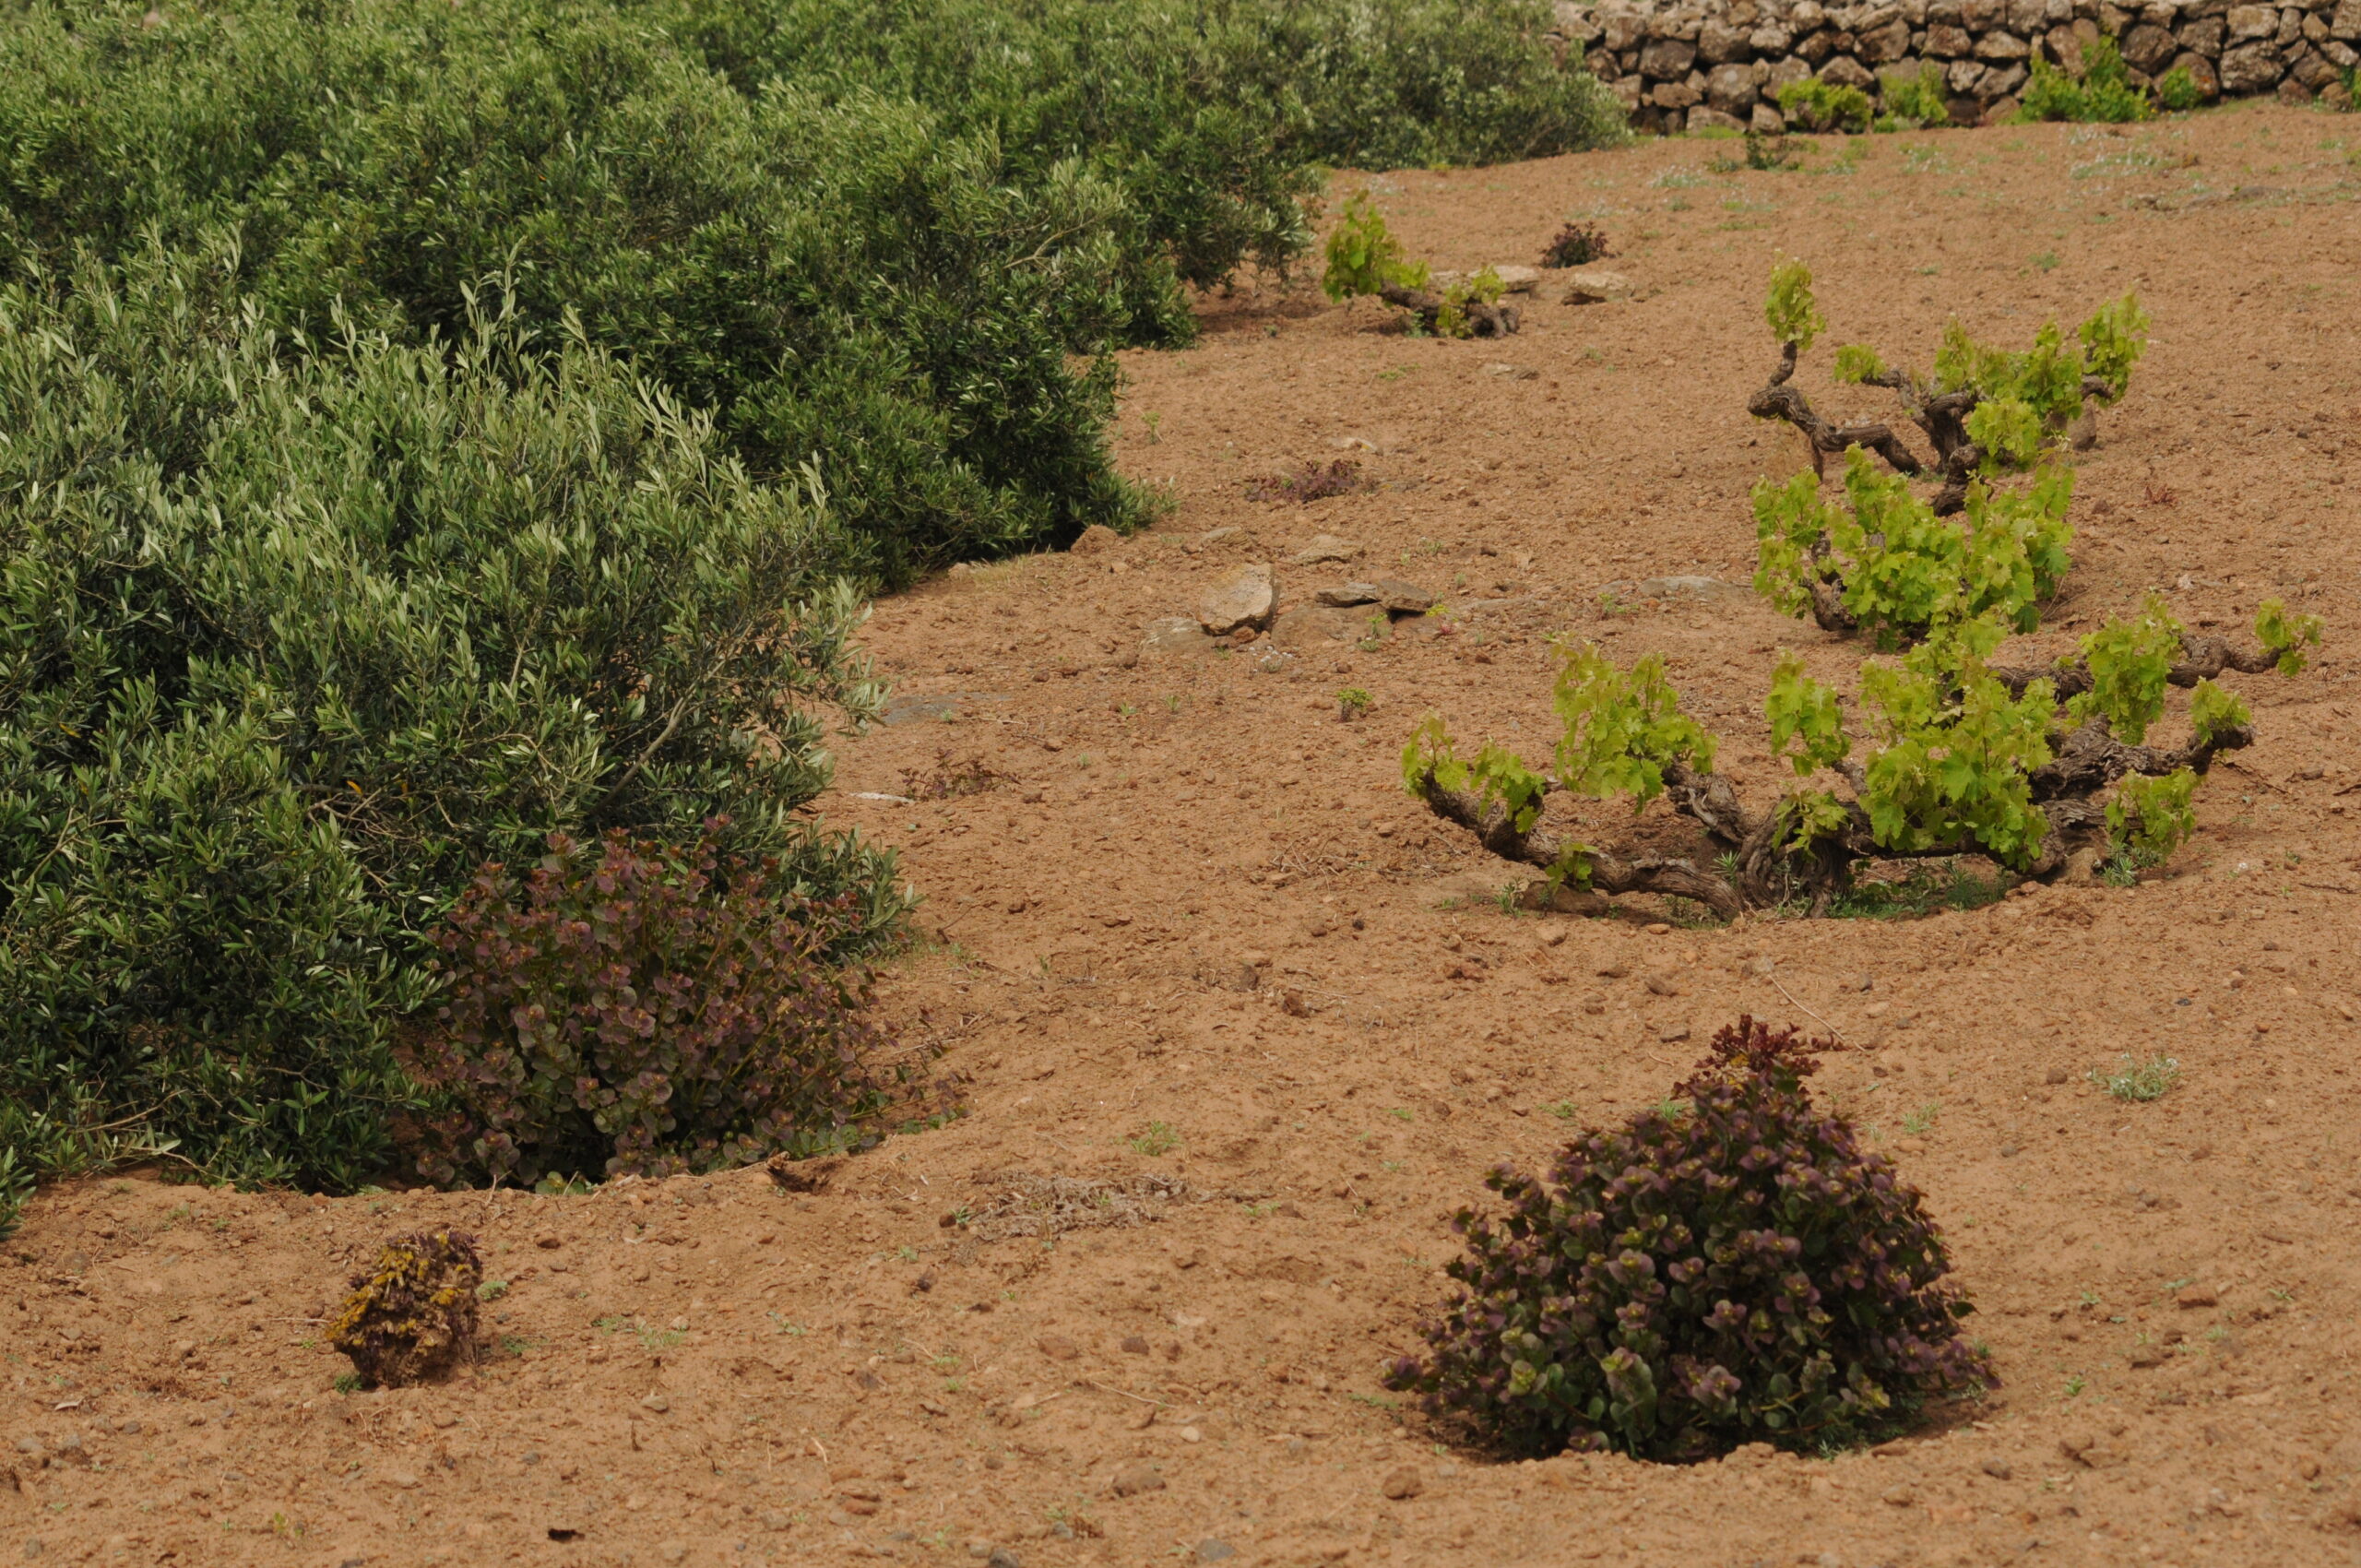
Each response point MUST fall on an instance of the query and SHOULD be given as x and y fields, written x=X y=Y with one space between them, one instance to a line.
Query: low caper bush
x=1733 y=1268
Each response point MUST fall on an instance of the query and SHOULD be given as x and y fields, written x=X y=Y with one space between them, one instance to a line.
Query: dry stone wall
x=1696 y=63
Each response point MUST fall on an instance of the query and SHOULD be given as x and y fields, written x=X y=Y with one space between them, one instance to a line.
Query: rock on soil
x=1174 y=635
x=1596 y=287
x=1324 y=548
x=1241 y=596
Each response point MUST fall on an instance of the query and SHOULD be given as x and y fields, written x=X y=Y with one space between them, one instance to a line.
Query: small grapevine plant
x=1948 y=755
x=1881 y=557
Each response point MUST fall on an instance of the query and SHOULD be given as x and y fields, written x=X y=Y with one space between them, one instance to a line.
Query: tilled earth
x=1238 y=1026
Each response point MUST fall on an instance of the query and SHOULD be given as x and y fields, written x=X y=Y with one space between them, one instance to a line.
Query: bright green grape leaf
x=1430 y=752
x=2212 y=711
x=1811 y=815
x=1789 y=308
x=2009 y=429
x=1622 y=730
x=1958 y=752
x=1858 y=363
x=2152 y=816
x=2130 y=660
x=1503 y=778
x=1804 y=715
x=2113 y=340
x=2287 y=636
x=1788 y=521
x=2048 y=379
x=1363 y=254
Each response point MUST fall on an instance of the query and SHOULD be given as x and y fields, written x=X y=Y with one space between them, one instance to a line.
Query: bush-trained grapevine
x=1731 y=1268
x=1877 y=557
x=1365 y=259
x=1880 y=557
x=1949 y=754
x=1984 y=412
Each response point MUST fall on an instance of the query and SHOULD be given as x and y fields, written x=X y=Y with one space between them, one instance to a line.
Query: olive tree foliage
x=298 y=637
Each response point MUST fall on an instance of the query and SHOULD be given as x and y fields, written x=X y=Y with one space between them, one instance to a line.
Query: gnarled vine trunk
x=1757 y=866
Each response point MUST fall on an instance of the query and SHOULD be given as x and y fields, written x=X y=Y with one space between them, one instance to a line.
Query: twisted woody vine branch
x=1879 y=557
x=1960 y=758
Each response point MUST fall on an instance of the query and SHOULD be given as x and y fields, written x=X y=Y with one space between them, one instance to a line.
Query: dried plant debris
x=949 y=780
x=414 y=1314
x=1024 y=1203
x=1312 y=481
x=804 y=1175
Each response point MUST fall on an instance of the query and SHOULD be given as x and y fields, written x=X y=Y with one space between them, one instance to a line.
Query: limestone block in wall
x=2161 y=14
x=2002 y=81
x=2343 y=56
x=1842 y=70
x=1948 y=42
x=2026 y=18
x=1731 y=89
x=1901 y=73
x=1667 y=59
x=1815 y=47
x=1705 y=117
x=1783 y=72
x=2200 y=71
x=2148 y=47
x=1944 y=12
x=2347 y=23
x=2315 y=28
x=1805 y=16
x=2202 y=36
x=2290 y=27
x=1768 y=120
x=2002 y=46
x=1962 y=76
x=1881 y=46
x=2250 y=68
x=1984 y=16
x=2312 y=69
x=1627 y=91
x=1673 y=95
x=1719 y=43
x=1620 y=30
x=2247 y=23
x=2064 y=46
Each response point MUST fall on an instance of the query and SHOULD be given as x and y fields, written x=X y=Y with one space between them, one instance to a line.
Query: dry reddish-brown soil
x=1203 y=913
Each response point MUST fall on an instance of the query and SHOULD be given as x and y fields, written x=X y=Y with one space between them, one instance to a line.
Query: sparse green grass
x=2151 y=1079
x=1925 y=887
x=1157 y=1139
x=1920 y=1119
